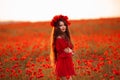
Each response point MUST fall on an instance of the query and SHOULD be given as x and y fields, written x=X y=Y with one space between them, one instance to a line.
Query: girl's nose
x=63 y=26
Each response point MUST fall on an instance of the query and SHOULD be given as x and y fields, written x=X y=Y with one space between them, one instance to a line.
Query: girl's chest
x=67 y=43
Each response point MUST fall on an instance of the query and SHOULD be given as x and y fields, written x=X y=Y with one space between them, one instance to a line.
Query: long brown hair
x=55 y=33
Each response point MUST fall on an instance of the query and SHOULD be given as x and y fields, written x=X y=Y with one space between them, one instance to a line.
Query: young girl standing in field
x=61 y=48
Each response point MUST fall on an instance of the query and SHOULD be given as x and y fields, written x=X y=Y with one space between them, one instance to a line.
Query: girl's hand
x=71 y=51
x=68 y=50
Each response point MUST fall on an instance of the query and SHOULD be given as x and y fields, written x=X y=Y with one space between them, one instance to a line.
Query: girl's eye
x=62 y=25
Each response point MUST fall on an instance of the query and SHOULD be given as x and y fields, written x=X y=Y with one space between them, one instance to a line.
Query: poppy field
x=25 y=49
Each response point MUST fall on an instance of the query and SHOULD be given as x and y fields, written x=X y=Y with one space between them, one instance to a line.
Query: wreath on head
x=56 y=18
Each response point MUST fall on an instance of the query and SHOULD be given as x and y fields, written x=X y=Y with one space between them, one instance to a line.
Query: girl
x=61 y=48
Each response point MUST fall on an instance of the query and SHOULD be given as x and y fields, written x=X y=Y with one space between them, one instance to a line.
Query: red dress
x=64 y=64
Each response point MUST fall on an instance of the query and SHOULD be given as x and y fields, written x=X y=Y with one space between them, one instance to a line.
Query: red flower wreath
x=57 y=18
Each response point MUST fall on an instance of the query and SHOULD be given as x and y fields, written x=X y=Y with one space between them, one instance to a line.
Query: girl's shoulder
x=59 y=37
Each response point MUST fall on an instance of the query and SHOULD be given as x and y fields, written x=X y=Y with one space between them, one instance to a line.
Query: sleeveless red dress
x=64 y=64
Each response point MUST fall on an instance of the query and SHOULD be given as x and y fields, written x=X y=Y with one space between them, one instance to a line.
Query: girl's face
x=62 y=26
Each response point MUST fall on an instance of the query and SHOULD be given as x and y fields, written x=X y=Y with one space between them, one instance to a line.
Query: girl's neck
x=63 y=35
